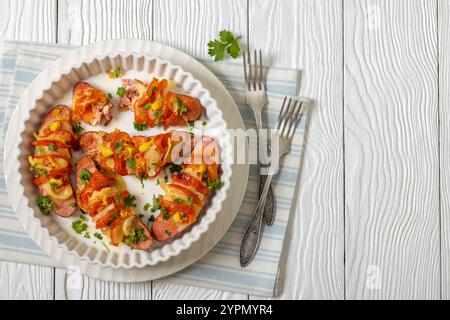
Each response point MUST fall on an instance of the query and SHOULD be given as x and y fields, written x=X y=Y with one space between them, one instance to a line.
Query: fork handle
x=252 y=235
x=269 y=208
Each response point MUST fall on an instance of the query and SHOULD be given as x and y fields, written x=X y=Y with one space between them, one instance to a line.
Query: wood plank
x=28 y=20
x=190 y=25
x=84 y=21
x=391 y=150
x=71 y=286
x=25 y=282
x=197 y=22
x=307 y=35
x=444 y=115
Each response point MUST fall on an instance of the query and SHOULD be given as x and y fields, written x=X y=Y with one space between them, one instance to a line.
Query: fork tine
x=257 y=75
x=250 y=77
x=298 y=117
x=277 y=126
x=245 y=71
x=262 y=84
x=289 y=117
x=295 y=120
x=281 y=118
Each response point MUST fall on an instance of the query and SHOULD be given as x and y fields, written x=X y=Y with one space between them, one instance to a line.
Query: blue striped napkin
x=21 y=62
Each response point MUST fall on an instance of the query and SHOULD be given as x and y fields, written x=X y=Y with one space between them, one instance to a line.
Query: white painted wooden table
x=373 y=212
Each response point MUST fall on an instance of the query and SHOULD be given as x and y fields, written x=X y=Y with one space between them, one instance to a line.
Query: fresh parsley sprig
x=226 y=41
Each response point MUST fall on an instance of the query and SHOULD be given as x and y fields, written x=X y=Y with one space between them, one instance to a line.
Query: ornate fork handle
x=250 y=242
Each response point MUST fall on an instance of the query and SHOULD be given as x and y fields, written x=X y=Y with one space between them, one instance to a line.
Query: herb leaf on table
x=226 y=41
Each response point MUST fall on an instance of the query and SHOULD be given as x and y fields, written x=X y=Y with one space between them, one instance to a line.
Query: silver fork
x=256 y=97
x=287 y=123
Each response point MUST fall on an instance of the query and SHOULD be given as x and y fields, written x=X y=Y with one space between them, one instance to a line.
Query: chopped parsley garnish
x=157 y=206
x=147 y=106
x=87 y=235
x=79 y=226
x=40 y=151
x=45 y=204
x=204 y=123
x=190 y=200
x=131 y=163
x=83 y=218
x=84 y=176
x=138 y=235
x=52 y=147
x=157 y=113
x=178 y=201
x=155 y=164
x=214 y=185
x=141 y=179
x=121 y=91
x=118 y=146
x=168 y=232
x=109 y=95
x=147 y=206
x=151 y=219
x=53 y=184
x=181 y=108
x=113 y=217
x=33 y=168
x=175 y=168
x=43 y=171
x=130 y=201
x=164 y=213
x=140 y=127
x=73 y=204
x=141 y=215
x=77 y=128
x=98 y=236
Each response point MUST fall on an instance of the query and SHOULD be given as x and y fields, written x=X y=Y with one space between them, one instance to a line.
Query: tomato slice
x=120 y=165
x=188 y=180
x=105 y=221
x=173 y=207
x=99 y=181
x=140 y=114
x=187 y=192
x=45 y=142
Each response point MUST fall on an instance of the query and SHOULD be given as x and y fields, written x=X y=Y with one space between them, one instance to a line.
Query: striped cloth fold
x=21 y=62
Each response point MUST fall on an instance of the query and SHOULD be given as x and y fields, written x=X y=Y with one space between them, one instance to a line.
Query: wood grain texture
x=84 y=288
x=167 y=291
x=84 y=21
x=307 y=35
x=444 y=112
x=190 y=25
x=28 y=20
x=25 y=282
x=391 y=150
